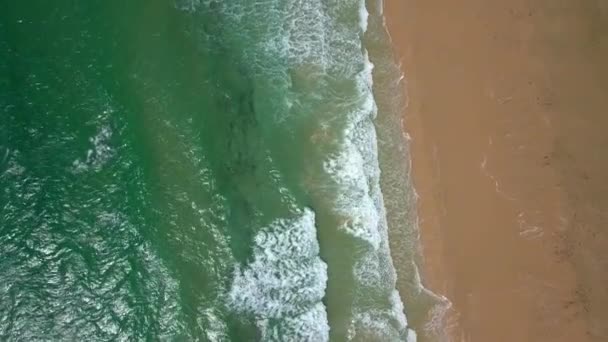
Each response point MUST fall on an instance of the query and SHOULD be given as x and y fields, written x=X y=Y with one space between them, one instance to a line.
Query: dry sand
x=508 y=111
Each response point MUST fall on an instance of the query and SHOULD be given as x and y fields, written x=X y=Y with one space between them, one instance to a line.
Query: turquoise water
x=199 y=171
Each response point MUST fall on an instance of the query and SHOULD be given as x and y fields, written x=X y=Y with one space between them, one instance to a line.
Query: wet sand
x=508 y=114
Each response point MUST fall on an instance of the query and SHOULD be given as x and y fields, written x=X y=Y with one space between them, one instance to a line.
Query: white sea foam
x=13 y=167
x=363 y=16
x=356 y=170
x=212 y=325
x=285 y=280
x=311 y=42
x=101 y=151
x=336 y=49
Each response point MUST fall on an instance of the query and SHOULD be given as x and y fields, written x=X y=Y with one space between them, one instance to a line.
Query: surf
x=310 y=56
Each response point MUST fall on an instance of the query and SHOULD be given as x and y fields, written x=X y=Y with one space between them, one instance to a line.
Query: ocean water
x=193 y=170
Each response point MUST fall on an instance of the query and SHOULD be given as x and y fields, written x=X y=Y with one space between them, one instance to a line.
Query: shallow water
x=200 y=170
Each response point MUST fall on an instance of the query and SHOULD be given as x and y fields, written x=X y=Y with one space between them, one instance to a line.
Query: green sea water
x=200 y=171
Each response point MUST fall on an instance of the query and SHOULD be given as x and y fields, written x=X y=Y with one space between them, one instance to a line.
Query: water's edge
x=425 y=309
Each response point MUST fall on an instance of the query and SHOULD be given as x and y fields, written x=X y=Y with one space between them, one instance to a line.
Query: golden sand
x=508 y=111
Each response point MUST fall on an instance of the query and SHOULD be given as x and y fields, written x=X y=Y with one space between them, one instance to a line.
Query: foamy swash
x=324 y=270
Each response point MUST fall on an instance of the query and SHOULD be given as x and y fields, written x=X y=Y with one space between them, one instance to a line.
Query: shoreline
x=497 y=131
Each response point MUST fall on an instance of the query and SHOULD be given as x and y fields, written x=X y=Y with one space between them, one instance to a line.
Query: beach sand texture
x=508 y=113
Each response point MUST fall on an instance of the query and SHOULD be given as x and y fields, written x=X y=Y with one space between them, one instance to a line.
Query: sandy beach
x=508 y=114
